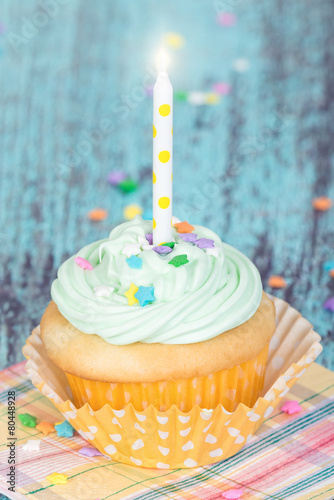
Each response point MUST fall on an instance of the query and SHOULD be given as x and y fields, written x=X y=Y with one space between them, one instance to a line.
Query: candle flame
x=162 y=60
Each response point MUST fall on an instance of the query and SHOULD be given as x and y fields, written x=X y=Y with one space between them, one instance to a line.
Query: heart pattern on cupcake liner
x=175 y=439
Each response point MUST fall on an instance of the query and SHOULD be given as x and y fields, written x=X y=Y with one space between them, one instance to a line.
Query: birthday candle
x=162 y=156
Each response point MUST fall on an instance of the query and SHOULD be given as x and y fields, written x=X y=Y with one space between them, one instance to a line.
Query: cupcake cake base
x=174 y=438
x=227 y=387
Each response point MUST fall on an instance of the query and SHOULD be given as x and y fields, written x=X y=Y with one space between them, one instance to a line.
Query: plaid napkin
x=291 y=457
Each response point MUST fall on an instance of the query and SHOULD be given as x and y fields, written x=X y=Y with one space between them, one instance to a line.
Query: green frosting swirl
x=194 y=302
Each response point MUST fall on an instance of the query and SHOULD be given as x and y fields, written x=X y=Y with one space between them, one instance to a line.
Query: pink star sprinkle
x=233 y=494
x=221 y=88
x=83 y=263
x=226 y=19
x=291 y=407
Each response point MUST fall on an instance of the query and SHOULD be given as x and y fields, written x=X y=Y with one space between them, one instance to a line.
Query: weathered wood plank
x=248 y=168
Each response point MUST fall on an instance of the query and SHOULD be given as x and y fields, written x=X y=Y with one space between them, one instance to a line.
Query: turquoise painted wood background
x=247 y=167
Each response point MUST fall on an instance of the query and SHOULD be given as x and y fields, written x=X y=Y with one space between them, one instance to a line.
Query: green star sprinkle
x=171 y=244
x=179 y=260
x=181 y=95
x=28 y=420
x=128 y=186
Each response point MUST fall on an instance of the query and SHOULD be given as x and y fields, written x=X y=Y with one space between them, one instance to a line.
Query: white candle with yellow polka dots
x=162 y=156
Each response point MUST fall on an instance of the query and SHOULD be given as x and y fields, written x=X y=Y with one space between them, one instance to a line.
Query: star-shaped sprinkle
x=145 y=295
x=204 y=243
x=212 y=98
x=128 y=186
x=329 y=304
x=175 y=220
x=103 y=290
x=131 y=249
x=226 y=18
x=144 y=244
x=277 y=282
x=184 y=227
x=97 y=214
x=56 y=478
x=142 y=241
x=213 y=251
x=116 y=176
x=188 y=237
x=28 y=420
x=197 y=98
x=83 y=263
x=130 y=294
x=241 y=65
x=130 y=211
x=64 y=429
x=179 y=260
x=31 y=445
x=45 y=427
x=149 y=237
x=221 y=88
x=170 y=244
x=149 y=90
x=148 y=215
x=174 y=40
x=162 y=249
x=233 y=494
x=89 y=451
x=328 y=265
x=322 y=204
x=134 y=262
x=291 y=407
x=181 y=95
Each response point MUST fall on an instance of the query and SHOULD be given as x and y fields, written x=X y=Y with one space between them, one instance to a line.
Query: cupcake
x=184 y=323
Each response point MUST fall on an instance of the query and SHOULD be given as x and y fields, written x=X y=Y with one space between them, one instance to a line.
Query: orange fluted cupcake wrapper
x=173 y=438
x=240 y=384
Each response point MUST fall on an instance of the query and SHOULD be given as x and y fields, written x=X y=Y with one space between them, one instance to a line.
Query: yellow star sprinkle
x=212 y=98
x=56 y=478
x=130 y=211
x=130 y=294
x=174 y=40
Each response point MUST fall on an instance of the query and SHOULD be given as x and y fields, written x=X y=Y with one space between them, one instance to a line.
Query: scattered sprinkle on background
x=253 y=139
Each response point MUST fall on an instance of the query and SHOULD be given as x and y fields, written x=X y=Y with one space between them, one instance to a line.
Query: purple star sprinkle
x=162 y=250
x=89 y=451
x=204 y=243
x=149 y=90
x=329 y=304
x=149 y=237
x=115 y=177
x=189 y=237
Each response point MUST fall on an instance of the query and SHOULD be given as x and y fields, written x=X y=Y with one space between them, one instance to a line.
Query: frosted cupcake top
x=126 y=290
